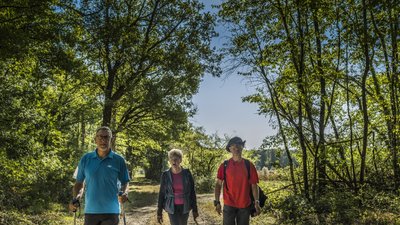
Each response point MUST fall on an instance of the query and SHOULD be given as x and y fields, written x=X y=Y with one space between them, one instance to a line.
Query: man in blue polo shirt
x=103 y=171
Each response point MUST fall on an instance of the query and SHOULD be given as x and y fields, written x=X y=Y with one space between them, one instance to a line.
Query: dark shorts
x=236 y=216
x=101 y=219
x=178 y=218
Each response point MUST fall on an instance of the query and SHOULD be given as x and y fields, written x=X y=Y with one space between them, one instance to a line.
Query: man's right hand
x=74 y=205
x=218 y=209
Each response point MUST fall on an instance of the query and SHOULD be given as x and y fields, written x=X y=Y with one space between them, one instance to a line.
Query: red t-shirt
x=239 y=186
x=177 y=184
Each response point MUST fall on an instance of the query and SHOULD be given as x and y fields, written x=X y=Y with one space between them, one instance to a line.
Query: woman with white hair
x=177 y=195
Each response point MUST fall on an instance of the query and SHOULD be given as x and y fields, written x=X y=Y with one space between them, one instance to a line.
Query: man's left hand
x=258 y=209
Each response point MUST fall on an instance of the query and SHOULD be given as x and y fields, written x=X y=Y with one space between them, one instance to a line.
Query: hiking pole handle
x=76 y=203
x=122 y=208
x=122 y=193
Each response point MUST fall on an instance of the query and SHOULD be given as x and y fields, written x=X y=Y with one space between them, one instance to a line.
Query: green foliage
x=155 y=159
x=381 y=200
x=146 y=59
x=57 y=61
x=205 y=184
x=40 y=113
x=326 y=78
x=335 y=206
x=202 y=153
x=341 y=206
x=379 y=217
x=18 y=218
x=11 y=218
x=279 y=174
x=30 y=184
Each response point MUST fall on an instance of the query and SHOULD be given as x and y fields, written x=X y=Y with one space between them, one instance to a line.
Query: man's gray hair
x=106 y=129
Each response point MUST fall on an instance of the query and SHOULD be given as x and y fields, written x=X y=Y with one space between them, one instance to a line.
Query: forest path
x=142 y=208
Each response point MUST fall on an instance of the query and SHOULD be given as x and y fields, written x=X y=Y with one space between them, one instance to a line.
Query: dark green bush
x=31 y=184
x=205 y=184
x=379 y=218
x=339 y=207
x=389 y=201
x=19 y=218
x=296 y=209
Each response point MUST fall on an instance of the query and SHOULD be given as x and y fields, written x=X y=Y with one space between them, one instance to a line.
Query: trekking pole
x=76 y=202
x=122 y=208
x=75 y=218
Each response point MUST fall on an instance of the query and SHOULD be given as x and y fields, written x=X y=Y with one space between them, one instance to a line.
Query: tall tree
x=147 y=56
x=40 y=102
x=315 y=64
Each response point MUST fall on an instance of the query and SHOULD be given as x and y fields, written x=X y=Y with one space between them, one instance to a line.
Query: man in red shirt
x=237 y=186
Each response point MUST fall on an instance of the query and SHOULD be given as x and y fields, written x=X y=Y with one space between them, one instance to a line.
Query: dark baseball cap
x=235 y=140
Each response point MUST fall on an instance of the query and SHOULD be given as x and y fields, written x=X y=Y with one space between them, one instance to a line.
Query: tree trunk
x=364 y=93
x=83 y=132
x=395 y=90
x=281 y=131
x=111 y=73
x=321 y=157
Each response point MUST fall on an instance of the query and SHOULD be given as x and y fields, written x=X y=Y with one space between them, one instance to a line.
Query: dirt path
x=146 y=215
x=141 y=216
x=143 y=207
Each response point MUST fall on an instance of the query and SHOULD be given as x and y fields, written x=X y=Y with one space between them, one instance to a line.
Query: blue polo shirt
x=102 y=177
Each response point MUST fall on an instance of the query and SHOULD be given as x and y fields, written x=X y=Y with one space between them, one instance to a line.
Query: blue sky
x=219 y=104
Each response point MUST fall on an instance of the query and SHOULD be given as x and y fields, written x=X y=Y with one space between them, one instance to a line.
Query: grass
x=142 y=193
x=51 y=217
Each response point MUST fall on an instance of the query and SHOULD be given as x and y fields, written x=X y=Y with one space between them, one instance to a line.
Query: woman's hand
x=195 y=215
x=159 y=219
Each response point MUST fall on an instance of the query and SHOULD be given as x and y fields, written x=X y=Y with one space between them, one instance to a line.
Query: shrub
x=19 y=218
x=205 y=184
x=379 y=218
x=338 y=207
x=281 y=174
x=296 y=209
x=381 y=200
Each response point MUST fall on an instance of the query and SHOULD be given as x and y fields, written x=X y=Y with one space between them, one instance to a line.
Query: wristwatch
x=216 y=202
x=257 y=201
